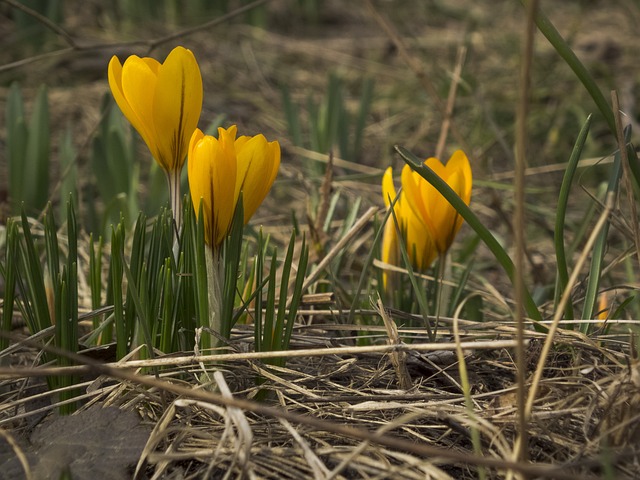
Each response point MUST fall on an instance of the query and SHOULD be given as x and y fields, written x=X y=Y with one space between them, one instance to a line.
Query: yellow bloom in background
x=162 y=101
x=428 y=221
x=220 y=168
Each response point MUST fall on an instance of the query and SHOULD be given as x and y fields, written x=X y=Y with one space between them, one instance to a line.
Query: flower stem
x=215 y=280
x=440 y=289
x=173 y=179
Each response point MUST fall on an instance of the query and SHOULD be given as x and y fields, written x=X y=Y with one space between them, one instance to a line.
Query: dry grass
x=584 y=420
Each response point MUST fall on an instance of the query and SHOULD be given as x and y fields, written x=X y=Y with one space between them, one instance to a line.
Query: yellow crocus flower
x=428 y=222
x=162 y=101
x=442 y=220
x=220 y=168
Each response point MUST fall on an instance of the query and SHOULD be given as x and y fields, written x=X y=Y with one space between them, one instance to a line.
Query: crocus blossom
x=428 y=221
x=162 y=101
x=220 y=168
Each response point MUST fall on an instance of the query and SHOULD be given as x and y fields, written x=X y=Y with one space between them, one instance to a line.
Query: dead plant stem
x=451 y=100
x=626 y=173
x=520 y=448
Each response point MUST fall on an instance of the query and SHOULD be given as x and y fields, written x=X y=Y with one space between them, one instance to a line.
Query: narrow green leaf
x=116 y=274
x=335 y=198
x=597 y=256
x=9 y=271
x=71 y=278
x=36 y=163
x=296 y=297
x=564 y=50
x=135 y=293
x=34 y=289
x=563 y=199
x=268 y=332
x=136 y=267
x=69 y=180
x=95 y=271
x=51 y=246
x=167 y=319
x=292 y=116
x=17 y=140
x=456 y=297
x=258 y=274
x=279 y=328
x=634 y=165
x=199 y=269
x=64 y=337
x=231 y=255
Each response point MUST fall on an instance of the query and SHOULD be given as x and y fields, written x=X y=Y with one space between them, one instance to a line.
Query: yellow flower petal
x=219 y=169
x=115 y=74
x=460 y=163
x=258 y=164
x=389 y=236
x=418 y=240
x=389 y=248
x=177 y=102
x=224 y=176
x=388 y=188
x=212 y=178
x=139 y=83
x=200 y=185
x=414 y=188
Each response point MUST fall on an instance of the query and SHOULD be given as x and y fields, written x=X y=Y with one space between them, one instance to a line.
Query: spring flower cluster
x=163 y=102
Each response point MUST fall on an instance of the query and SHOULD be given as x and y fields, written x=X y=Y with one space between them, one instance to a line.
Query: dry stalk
x=398 y=359
x=520 y=450
x=319 y=469
x=6 y=373
x=317 y=424
x=451 y=99
x=626 y=172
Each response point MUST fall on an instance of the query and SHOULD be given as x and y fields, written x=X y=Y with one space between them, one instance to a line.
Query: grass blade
x=9 y=274
x=562 y=47
x=232 y=253
x=116 y=274
x=35 y=289
x=563 y=200
x=597 y=257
